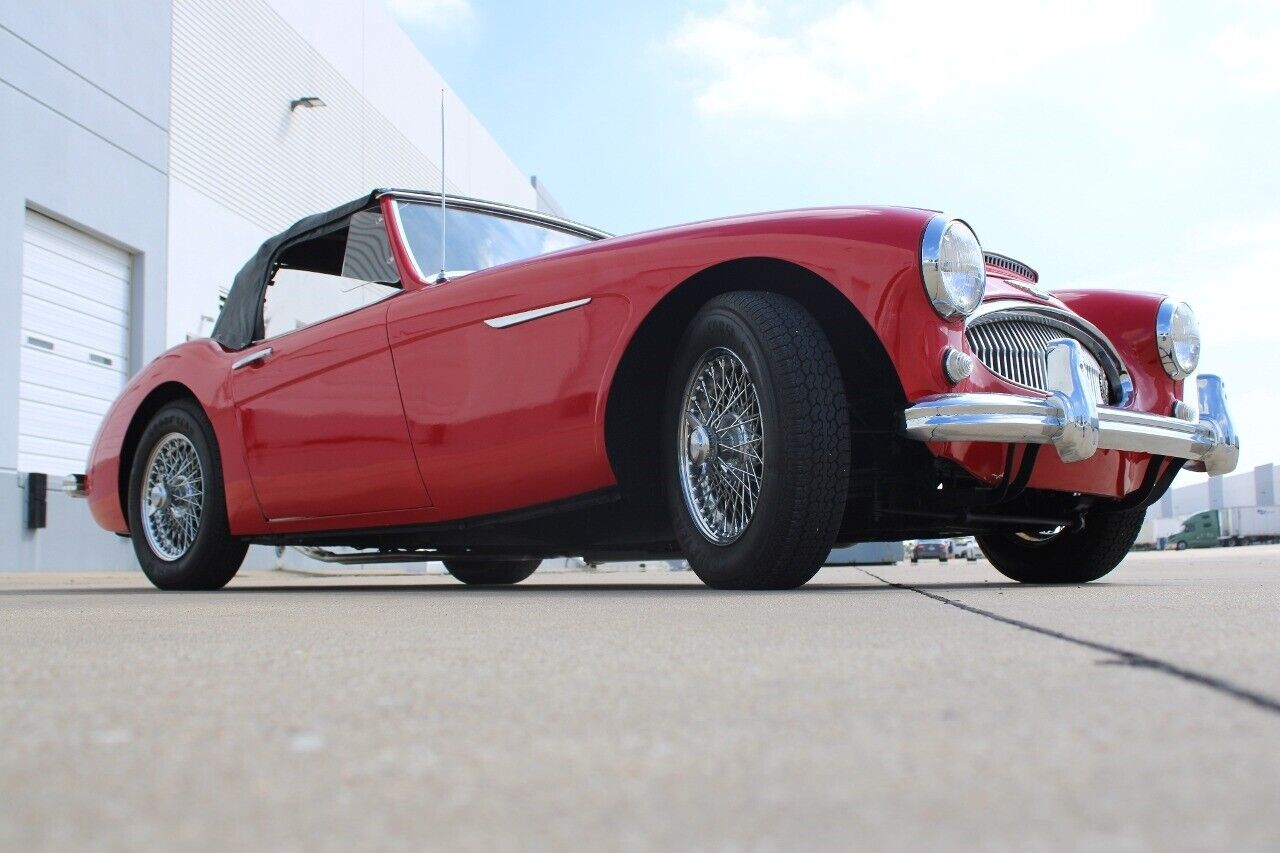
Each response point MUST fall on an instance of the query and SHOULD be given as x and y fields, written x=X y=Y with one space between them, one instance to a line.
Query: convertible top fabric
x=241 y=323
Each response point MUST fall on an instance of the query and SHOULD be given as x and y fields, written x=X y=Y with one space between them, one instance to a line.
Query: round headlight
x=955 y=274
x=1177 y=338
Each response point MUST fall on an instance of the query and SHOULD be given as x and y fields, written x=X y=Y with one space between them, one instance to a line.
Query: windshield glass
x=476 y=240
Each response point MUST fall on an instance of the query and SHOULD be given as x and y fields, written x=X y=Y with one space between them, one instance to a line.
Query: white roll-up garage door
x=74 y=342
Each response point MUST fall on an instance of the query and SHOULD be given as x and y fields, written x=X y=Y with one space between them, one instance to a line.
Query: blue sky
x=1109 y=144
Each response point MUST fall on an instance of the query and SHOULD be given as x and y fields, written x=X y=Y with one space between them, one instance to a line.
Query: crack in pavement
x=1124 y=656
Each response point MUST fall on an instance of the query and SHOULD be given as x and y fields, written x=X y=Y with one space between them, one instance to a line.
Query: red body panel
x=498 y=419
x=504 y=418
x=201 y=367
x=321 y=422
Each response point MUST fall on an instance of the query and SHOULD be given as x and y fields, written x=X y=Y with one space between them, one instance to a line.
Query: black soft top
x=241 y=322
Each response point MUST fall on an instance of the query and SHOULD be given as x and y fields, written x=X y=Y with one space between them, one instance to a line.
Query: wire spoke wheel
x=756 y=422
x=720 y=448
x=172 y=496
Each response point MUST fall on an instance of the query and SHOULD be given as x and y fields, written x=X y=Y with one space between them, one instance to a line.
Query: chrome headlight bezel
x=1177 y=338
x=952 y=295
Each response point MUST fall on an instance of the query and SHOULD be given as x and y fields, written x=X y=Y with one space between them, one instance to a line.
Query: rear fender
x=195 y=370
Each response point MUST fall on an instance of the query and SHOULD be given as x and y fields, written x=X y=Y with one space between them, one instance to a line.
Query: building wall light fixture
x=309 y=101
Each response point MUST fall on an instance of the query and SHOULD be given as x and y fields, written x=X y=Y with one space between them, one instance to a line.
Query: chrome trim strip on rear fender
x=525 y=316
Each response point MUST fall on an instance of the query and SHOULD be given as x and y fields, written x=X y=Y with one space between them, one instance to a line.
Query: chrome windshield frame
x=506 y=211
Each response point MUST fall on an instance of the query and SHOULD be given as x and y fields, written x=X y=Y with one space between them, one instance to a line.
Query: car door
x=501 y=370
x=319 y=408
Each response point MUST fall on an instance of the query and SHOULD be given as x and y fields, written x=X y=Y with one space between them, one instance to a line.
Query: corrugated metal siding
x=234 y=139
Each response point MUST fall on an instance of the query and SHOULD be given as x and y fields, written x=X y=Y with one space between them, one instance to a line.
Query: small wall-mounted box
x=37 y=501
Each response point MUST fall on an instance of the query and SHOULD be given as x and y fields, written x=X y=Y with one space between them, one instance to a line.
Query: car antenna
x=444 y=204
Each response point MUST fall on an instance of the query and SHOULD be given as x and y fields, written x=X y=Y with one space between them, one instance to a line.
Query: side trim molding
x=525 y=316
x=250 y=359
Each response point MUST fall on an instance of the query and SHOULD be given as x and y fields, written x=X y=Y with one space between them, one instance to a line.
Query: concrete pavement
x=905 y=706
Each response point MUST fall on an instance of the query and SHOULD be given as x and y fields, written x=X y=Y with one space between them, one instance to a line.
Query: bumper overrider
x=1070 y=419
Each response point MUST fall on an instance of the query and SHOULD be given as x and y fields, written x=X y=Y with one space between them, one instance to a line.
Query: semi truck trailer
x=1248 y=525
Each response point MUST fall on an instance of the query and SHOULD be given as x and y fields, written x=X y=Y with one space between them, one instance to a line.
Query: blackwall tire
x=755 y=508
x=176 y=504
x=1070 y=557
x=481 y=572
x=1181 y=546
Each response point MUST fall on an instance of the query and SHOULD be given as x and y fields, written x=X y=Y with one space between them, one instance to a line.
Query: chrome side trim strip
x=525 y=316
x=250 y=359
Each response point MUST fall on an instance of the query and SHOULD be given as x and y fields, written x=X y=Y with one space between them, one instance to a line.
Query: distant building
x=148 y=149
x=1243 y=488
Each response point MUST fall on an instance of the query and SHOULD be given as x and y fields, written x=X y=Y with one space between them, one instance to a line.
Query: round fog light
x=956 y=365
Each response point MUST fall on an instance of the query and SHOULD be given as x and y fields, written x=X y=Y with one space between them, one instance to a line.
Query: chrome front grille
x=1013 y=347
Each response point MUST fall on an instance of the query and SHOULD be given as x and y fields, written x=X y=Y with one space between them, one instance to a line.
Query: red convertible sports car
x=745 y=392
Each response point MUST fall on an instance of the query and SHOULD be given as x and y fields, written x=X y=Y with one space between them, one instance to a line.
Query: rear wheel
x=1065 y=556
x=482 y=572
x=176 y=505
x=756 y=442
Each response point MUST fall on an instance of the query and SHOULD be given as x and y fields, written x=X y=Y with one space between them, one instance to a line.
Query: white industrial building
x=1256 y=488
x=1243 y=488
x=148 y=148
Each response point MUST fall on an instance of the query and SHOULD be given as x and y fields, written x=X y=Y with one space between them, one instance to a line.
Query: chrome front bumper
x=1070 y=420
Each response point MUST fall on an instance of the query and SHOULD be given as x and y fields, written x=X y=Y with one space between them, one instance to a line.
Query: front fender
x=1128 y=319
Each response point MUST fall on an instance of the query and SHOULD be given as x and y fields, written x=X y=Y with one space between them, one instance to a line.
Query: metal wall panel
x=236 y=66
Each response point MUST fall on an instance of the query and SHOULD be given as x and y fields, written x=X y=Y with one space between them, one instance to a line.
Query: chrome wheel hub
x=699 y=443
x=721 y=446
x=172 y=496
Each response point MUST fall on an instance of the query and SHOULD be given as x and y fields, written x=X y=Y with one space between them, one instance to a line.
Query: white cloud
x=1251 y=56
x=916 y=54
x=429 y=13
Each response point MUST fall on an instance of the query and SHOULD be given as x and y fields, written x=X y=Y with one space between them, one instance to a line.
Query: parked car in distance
x=400 y=379
x=931 y=549
x=965 y=548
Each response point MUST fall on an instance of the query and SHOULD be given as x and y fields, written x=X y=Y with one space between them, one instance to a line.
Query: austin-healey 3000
x=746 y=393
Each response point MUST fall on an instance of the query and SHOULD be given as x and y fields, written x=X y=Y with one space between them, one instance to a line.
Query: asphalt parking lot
x=904 y=706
